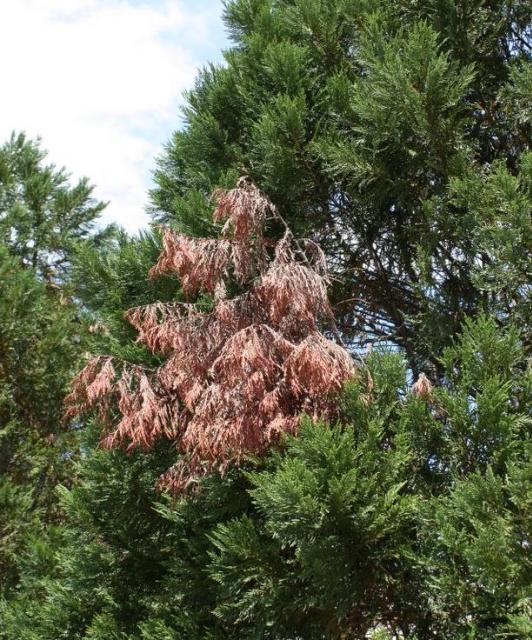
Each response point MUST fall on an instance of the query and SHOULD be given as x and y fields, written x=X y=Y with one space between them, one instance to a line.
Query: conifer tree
x=395 y=135
x=408 y=520
x=43 y=221
x=360 y=120
x=42 y=217
x=412 y=521
x=39 y=344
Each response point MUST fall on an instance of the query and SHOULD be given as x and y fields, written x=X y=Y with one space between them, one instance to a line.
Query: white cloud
x=100 y=81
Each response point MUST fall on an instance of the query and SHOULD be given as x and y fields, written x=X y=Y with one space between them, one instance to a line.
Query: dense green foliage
x=37 y=353
x=397 y=134
x=42 y=218
x=43 y=223
x=362 y=121
x=414 y=516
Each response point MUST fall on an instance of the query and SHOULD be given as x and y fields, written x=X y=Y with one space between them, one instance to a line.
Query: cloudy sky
x=101 y=81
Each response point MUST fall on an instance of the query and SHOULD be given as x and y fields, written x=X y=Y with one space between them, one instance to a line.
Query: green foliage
x=15 y=503
x=397 y=134
x=492 y=244
x=43 y=222
x=129 y=566
x=37 y=330
x=333 y=514
x=416 y=518
x=111 y=278
x=40 y=338
x=479 y=562
x=42 y=217
x=411 y=518
x=361 y=120
x=409 y=114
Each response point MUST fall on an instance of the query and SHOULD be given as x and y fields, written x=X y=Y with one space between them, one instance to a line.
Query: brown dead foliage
x=237 y=378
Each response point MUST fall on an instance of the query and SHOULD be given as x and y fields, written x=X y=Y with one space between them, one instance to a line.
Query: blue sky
x=101 y=82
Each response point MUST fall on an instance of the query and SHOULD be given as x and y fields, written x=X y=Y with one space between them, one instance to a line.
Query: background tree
x=42 y=217
x=43 y=221
x=102 y=575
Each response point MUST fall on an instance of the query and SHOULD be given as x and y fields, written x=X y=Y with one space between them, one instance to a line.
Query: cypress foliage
x=358 y=119
x=409 y=519
x=395 y=134
x=42 y=217
x=43 y=221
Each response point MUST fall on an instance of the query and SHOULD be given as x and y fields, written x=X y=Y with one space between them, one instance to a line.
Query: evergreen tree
x=42 y=217
x=39 y=345
x=409 y=520
x=415 y=520
x=43 y=221
x=86 y=585
x=357 y=119
x=396 y=135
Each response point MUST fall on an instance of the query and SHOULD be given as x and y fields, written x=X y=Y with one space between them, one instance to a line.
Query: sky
x=101 y=82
